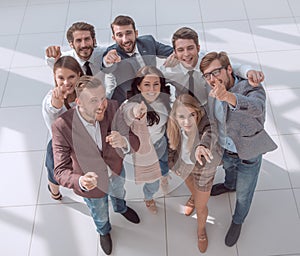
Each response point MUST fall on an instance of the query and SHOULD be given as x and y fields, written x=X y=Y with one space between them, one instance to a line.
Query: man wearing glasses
x=181 y=68
x=239 y=111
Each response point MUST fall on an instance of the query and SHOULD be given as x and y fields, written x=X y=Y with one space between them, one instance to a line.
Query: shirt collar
x=196 y=68
x=81 y=62
x=135 y=51
x=184 y=134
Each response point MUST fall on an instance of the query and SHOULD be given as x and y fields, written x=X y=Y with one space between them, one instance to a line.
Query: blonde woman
x=194 y=155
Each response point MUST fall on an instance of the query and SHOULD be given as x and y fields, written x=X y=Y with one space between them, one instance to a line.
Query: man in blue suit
x=128 y=55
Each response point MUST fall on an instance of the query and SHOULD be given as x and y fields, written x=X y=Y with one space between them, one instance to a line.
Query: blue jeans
x=241 y=175
x=150 y=189
x=160 y=147
x=49 y=163
x=99 y=206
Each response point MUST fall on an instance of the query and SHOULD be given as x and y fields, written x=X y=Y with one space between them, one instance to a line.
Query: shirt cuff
x=127 y=149
x=106 y=65
x=232 y=108
x=51 y=108
x=81 y=187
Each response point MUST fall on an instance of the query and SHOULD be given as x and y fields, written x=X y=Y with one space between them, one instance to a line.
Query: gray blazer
x=245 y=123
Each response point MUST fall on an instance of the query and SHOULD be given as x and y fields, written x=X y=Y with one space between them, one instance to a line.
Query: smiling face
x=125 y=36
x=92 y=104
x=186 y=118
x=66 y=79
x=215 y=71
x=150 y=87
x=187 y=52
x=83 y=44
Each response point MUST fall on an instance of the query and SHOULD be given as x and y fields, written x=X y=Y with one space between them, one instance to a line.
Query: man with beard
x=182 y=70
x=239 y=112
x=82 y=39
x=128 y=55
x=88 y=155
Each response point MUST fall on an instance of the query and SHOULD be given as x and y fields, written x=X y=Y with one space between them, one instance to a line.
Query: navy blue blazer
x=125 y=70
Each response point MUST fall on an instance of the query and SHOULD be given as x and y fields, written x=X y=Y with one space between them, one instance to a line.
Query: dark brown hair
x=210 y=57
x=69 y=63
x=122 y=20
x=185 y=33
x=80 y=26
x=164 y=96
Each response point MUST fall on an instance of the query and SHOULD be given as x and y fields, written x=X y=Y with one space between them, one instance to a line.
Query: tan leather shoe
x=189 y=206
x=150 y=204
x=202 y=242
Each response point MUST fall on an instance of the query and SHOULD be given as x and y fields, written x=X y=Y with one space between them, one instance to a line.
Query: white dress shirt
x=50 y=113
x=185 y=154
x=178 y=75
x=110 y=79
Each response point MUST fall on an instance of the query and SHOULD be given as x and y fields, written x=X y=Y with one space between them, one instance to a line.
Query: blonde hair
x=87 y=82
x=173 y=128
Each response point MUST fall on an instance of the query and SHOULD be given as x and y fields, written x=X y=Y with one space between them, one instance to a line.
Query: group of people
x=110 y=102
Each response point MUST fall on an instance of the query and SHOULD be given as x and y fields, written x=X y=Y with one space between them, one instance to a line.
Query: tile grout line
x=294 y=16
x=13 y=55
x=268 y=99
x=41 y=175
x=166 y=227
x=202 y=25
x=155 y=14
x=36 y=207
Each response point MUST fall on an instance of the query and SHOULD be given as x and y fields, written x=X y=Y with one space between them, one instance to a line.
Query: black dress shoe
x=131 y=216
x=233 y=234
x=106 y=243
x=219 y=189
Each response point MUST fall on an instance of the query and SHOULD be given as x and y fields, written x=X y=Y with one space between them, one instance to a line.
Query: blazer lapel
x=88 y=154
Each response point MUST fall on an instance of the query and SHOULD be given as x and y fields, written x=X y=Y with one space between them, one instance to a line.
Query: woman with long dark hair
x=66 y=72
x=146 y=111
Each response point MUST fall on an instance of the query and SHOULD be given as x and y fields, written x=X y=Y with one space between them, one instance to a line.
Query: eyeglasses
x=216 y=72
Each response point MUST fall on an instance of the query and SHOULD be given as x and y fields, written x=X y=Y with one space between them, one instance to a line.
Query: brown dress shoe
x=189 y=206
x=202 y=242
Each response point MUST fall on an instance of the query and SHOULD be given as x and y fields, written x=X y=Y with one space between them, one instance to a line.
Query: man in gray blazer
x=88 y=155
x=128 y=55
x=239 y=112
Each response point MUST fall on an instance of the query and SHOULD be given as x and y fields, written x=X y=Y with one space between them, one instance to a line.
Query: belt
x=232 y=154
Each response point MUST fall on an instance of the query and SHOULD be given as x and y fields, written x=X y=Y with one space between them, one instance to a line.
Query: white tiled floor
x=265 y=34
